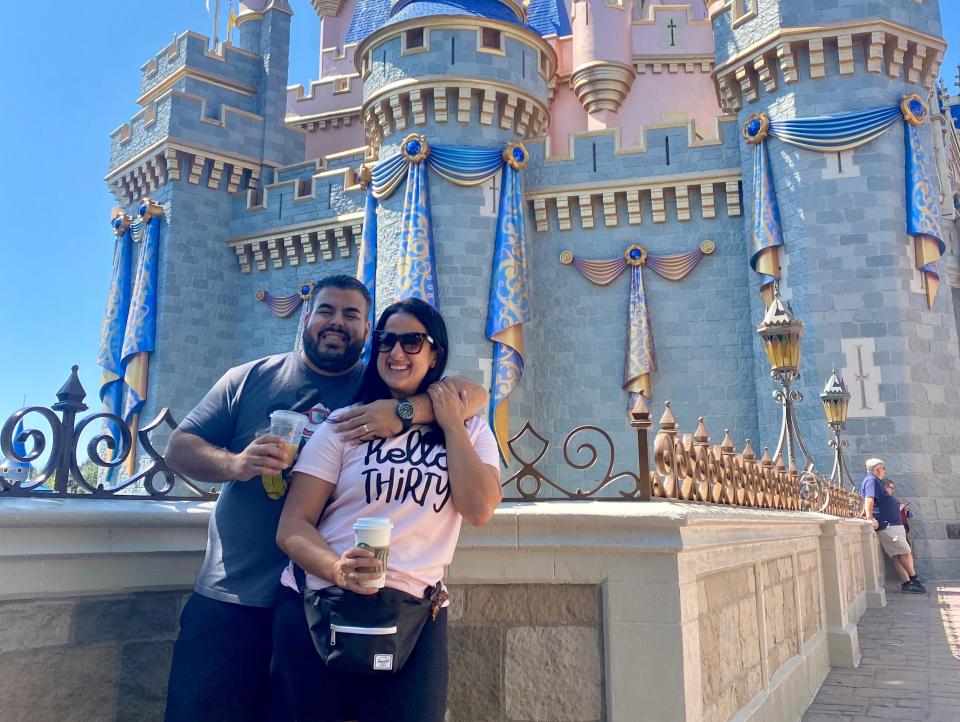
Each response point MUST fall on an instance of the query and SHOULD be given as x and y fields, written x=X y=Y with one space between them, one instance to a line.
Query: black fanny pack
x=369 y=634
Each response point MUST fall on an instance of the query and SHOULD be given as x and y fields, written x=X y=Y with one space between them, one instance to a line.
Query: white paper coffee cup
x=373 y=533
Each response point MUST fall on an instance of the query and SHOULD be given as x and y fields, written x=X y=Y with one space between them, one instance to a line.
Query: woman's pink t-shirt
x=404 y=479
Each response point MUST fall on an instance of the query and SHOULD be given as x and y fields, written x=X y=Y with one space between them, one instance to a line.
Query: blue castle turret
x=210 y=130
x=458 y=74
x=849 y=267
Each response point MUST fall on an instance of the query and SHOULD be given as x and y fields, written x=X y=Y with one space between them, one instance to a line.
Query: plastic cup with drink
x=373 y=533
x=288 y=426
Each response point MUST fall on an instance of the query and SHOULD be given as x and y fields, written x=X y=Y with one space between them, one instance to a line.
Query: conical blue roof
x=549 y=17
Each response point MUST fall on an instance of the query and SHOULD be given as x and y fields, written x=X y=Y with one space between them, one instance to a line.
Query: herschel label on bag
x=383 y=662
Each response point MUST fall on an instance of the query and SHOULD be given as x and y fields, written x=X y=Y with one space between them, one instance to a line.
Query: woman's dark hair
x=372 y=387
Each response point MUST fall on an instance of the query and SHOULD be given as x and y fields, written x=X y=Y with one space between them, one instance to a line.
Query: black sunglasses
x=411 y=343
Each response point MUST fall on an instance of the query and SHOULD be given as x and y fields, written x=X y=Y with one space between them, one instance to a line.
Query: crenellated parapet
x=207 y=115
x=189 y=56
x=174 y=138
x=432 y=71
x=307 y=213
x=328 y=103
x=784 y=56
x=657 y=181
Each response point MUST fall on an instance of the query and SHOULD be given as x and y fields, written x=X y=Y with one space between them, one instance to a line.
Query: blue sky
x=72 y=76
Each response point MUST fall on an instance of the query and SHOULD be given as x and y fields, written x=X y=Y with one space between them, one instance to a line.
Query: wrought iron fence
x=157 y=480
x=686 y=467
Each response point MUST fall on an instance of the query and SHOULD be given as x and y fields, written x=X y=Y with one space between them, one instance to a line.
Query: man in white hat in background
x=884 y=509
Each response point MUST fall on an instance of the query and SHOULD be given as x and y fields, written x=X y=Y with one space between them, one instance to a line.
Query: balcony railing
x=687 y=467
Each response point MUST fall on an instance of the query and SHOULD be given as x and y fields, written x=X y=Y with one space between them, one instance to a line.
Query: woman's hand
x=376 y=420
x=347 y=574
x=449 y=406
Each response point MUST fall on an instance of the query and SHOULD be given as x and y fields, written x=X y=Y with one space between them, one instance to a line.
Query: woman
x=425 y=481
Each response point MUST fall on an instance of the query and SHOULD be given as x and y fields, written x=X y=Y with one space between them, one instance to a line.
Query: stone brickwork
x=729 y=642
x=853 y=569
x=87 y=658
x=809 y=584
x=780 y=611
x=518 y=653
x=525 y=652
x=518 y=65
x=199 y=285
x=560 y=612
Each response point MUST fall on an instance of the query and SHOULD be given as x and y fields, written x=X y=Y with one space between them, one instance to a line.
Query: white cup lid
x=372 y=522
x=291 y=416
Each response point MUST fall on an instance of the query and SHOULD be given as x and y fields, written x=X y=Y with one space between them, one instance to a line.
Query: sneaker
x=913 y=588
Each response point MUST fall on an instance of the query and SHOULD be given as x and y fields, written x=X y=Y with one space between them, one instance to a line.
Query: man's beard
x=335 y=361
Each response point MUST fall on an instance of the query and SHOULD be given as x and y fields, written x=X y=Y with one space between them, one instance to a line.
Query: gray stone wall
x=260 y=333
x=517 y=652
x=518 y=66
x=775 y=14
x=198 y=297
x=701 y=325
x=850 y=276
x=87 y=658
x=525 y=652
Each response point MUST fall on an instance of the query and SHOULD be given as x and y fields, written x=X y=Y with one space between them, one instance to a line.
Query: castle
x=635 y=120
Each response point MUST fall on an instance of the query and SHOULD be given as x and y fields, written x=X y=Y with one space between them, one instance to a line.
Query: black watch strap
x=405 y=414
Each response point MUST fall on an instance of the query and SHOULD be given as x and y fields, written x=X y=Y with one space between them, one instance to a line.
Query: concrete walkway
x=911 y=663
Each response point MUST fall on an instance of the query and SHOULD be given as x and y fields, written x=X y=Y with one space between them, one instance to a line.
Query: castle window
x=491 y=39
x=414 y=38
x=341 y=85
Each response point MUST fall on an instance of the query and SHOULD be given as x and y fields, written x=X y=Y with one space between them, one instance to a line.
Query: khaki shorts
x=893 y=539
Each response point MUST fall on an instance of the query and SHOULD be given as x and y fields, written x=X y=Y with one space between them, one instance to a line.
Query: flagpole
x=216 y=24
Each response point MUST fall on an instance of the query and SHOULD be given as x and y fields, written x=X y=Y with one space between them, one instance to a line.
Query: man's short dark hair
x=345 y=283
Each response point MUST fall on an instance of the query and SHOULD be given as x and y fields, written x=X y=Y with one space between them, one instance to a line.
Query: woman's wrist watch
x=405 y=412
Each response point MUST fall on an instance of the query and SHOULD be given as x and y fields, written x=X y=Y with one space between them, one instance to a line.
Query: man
x=222 y=655
x=884 y=509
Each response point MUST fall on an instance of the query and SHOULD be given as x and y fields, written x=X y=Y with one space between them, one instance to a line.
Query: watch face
x=404 y=409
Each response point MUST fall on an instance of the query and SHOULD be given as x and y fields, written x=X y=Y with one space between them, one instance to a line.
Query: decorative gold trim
x=633 y=248
x=420 y=153
x=119 y=221
x=707 y=247
x=305 y=295
x=913 y=117
x=510 y=153
x=148 y=209
x=566 y=257
x=764 y=126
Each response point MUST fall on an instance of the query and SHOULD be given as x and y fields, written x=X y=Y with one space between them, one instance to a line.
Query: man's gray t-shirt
x=243 y=563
